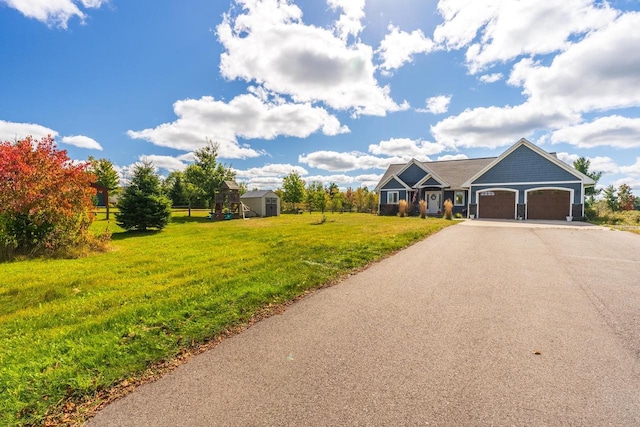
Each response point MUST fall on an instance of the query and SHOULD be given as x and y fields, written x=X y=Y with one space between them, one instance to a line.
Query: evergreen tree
x=143 y=204
x=611 y=198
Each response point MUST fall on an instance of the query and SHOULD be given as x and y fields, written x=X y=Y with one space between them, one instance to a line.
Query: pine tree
x=143 y=204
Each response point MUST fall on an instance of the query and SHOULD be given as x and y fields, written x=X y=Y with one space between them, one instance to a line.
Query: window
x=458 y=198
x=392 y=198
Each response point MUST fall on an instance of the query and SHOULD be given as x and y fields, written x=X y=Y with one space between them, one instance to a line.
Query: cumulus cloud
x=597 y=73
x=340 y=180
x=614 y=131
x=604 y=164
x=54 y=13
x=277 y=170
x=245 y=116
x=452 y=157
x=269 y=44
x=399 y=47
x=417 y=149
x=343 y=162
x=490 y=78
x=10 y=131
x=567 y=158
x=493 y=127
x=436 y=105
x=498 y=31
x=350 y=21
x=82 y=141
x=633 y=170
x=168 y=163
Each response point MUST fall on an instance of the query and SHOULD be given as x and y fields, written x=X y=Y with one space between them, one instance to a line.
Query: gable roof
x=256 y=194
x=550 y=157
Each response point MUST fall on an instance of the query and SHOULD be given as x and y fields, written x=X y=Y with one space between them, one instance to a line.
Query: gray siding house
x=523 y=182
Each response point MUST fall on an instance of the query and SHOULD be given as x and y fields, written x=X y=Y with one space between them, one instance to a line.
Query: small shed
x=262 y=203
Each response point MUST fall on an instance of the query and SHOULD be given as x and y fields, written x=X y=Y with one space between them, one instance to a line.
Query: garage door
x=548 y=204
x=497 y=204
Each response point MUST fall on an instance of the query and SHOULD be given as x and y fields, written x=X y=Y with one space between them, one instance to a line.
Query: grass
x=72 y=328
x=620 y=220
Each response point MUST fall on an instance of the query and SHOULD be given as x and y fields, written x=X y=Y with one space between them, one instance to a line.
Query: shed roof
x=256 y=194
x=231 y=185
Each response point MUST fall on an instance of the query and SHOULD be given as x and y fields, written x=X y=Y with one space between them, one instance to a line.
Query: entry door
x=433 y=202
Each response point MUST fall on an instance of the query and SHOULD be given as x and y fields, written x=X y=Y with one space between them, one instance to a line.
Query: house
x=523 y=182
x=262 y=203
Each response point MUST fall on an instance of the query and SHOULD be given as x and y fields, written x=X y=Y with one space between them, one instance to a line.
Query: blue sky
x=335 y=90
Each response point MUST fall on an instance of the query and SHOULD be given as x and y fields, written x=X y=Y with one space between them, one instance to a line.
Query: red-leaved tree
x=45 y=199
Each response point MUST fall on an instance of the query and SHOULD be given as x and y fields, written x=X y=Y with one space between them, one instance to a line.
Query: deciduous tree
x=582 y=165
x=625 y=198
x=206 y=174
x=45 y=198
x=293 y=189
x=105 y=173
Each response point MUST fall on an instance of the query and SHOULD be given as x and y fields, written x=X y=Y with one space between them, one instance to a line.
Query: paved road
x=443 y=333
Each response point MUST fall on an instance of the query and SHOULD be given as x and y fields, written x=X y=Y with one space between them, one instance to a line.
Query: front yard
x=72 y=329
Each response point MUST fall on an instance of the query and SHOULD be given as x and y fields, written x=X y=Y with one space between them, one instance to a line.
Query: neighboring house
x=262 y=203
x=524 y=182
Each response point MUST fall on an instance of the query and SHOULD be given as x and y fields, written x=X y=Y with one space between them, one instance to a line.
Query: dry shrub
x=423 y=209
x=402 y=208
x=448 y=209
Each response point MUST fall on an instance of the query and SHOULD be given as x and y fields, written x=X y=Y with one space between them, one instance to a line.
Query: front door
x=433 y=202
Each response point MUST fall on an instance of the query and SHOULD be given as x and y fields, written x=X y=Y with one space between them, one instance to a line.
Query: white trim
x=394 y=176
x=528 y=183
x=397 y=193
x=583 y=178
x=420 y=184
x=424 y=168
x=454 y=197
x=515 y=206
x=526 y=196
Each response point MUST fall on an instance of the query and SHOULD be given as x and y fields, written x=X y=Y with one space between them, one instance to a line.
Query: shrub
x=448 y=209
x=458 y=215
x=402 y=208
x=423 y=209
x=45 y=200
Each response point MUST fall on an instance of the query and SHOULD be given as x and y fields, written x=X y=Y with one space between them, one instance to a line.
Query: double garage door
x=541 y=204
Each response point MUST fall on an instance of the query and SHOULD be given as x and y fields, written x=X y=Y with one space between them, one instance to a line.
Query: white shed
x=262 y=203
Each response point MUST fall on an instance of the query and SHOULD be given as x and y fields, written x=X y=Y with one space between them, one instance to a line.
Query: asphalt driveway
x=485 y=323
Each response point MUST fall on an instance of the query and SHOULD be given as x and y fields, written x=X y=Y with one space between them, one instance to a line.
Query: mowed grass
x=70 y=328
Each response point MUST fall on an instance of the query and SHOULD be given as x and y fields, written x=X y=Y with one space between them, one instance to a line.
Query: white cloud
x=567 y=158
x=452 y=157
x=263 y=183
x=631 y=182
x=10 y=131
x=52 y=12
x=341 y=180
x=612 y=131
x=272 y=170
x=436 y=105
x=245 y=116
x=603 y=164
x=350 y=22
x=82 y=142
x=598 y=73
x=499 y=30
x=343 y=162
x=168 y=163
x=493 y=127
x=633 y=170
x=269 y=44
x=490 y=78
x=398 y=47
x=417 y=149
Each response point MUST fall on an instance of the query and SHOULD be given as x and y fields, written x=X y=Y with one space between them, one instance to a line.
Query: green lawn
x=70 y=328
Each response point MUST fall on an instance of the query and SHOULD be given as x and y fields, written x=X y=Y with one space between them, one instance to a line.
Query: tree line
x=298 y=195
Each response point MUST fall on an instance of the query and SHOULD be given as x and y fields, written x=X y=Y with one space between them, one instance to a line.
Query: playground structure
x=227 y=204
